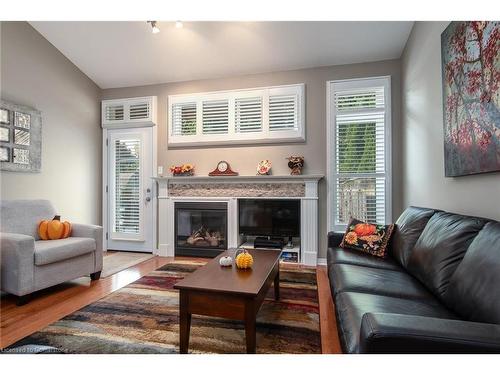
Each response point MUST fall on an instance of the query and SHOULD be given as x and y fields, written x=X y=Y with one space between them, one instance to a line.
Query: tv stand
x=268 y=242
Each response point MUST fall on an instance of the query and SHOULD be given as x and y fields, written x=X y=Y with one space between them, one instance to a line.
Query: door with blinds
x=129 y=189
x=360 y=127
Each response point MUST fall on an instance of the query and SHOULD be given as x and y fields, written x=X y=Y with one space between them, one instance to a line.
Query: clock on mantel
x=223 y=169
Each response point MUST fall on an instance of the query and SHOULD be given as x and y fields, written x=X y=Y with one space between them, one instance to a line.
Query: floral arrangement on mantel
x=182 y=170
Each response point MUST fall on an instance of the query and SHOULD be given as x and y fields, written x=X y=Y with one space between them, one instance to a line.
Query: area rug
x=115 y=262
x=143 y=318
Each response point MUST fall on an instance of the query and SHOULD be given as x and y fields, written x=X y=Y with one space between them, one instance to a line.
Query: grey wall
x=423 y=181
x=35 y=73
x=244 y=159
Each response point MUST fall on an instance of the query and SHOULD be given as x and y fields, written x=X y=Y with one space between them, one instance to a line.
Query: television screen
x=269 y=217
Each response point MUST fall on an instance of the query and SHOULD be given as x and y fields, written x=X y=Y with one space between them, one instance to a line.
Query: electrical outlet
x=160 y=170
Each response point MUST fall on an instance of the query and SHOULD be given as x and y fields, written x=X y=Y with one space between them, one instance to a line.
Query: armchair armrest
x=335 y=238
x=90 y=231
x=17 y=263
x=396 y=333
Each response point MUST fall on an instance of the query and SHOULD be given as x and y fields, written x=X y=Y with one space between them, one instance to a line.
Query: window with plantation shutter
x=139 y=111
x=282 y=112
x=215 y=117
x=248 y=114
x=127 y=189
x=359 y=151
x=257 y=115
x=114 y=112
x=184 y=119
x=129 y=112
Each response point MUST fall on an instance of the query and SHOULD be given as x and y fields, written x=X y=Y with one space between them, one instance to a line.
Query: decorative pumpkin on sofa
x=54 y=229
x=244 y=259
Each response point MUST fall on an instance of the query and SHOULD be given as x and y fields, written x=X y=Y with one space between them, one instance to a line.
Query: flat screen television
x=269 y=217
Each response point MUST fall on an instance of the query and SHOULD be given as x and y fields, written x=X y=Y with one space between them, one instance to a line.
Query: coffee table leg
x=277 y=285
x=250 y=332
x=185 y=323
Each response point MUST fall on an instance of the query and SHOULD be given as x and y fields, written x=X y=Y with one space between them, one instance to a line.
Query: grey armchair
x=29 y=264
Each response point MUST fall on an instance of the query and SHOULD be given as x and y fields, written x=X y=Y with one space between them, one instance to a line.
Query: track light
x=154 y=28
x=179 y=24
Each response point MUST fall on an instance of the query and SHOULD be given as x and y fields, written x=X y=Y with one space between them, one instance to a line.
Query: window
x=260 y=115
x=359 y=161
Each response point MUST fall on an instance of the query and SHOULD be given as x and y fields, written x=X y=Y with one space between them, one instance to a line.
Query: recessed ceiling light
x=154 y=27
x=179 y=24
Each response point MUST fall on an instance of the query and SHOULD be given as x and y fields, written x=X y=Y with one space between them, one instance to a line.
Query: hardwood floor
x=330 y=342
x=55 y=303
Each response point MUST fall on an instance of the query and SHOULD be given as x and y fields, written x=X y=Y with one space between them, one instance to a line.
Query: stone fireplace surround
x=229 y=189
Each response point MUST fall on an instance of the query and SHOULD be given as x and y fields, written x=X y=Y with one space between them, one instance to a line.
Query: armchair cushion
x=395 y=333
x=47 y=252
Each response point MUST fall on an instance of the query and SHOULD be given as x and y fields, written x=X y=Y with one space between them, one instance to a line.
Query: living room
x=173 y=184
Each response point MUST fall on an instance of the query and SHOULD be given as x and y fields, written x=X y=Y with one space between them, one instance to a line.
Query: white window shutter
x=215 y=115
x=184 y=118
x=283 y=112
x=114 y=112
x=139 y=111
x=248 y=114
x=259 y=115
x=360 y=151
x=127 y=186
x=128 y=112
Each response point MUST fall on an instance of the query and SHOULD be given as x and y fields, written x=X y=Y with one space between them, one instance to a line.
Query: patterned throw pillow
x=366 y=237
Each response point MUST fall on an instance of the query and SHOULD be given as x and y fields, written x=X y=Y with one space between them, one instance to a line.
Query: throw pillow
x=368 y=238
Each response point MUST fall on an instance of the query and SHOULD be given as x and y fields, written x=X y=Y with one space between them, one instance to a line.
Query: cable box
x=268 y=242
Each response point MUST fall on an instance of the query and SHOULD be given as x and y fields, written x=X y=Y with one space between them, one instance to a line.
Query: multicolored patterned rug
x=143 y=318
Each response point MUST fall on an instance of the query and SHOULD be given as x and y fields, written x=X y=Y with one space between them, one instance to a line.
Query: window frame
x=332 y=175
x=232 y=137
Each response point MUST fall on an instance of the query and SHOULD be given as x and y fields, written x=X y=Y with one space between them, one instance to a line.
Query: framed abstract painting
x=470 y=53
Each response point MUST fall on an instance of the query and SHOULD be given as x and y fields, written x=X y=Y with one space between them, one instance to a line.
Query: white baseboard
x=321 y=261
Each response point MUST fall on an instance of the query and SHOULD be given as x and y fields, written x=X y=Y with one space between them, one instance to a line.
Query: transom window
x=259 y=115
x=359 y=151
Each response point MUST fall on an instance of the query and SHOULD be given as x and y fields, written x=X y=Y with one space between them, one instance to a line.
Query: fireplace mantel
x=252 y=179
x=229 y=189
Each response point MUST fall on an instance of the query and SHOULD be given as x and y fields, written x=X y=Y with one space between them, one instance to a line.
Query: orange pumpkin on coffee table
x=54 y=229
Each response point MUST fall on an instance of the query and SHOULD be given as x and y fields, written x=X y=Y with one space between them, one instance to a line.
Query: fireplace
x=200 y=228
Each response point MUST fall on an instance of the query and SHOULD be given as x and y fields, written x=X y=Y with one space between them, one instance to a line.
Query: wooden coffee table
x=228 y=292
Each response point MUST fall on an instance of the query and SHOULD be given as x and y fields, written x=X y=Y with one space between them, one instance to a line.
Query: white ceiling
x=120 y=54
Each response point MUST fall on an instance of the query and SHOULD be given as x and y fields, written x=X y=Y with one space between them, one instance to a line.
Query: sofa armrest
x=17 y=263
x=396 y=333
x=90 y=231
x=335 y=238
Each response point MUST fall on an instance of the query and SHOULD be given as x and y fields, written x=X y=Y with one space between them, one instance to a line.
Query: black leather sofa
x=438 y=291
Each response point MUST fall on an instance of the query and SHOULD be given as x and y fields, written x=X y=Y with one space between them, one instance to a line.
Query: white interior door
x=130 y=189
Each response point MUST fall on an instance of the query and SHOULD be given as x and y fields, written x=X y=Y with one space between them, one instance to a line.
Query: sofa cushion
x=47 y=252
x=347 y=256
x=22 y=216
x=407 y=230
x=441 y=247
x=368 y=238
x=352 y=278
x=474 y=288
x=351 y=307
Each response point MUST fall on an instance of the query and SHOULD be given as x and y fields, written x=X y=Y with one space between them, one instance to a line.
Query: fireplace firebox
x=200 y=228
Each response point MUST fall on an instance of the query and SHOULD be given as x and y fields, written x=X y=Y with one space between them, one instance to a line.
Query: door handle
x=148 y=199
